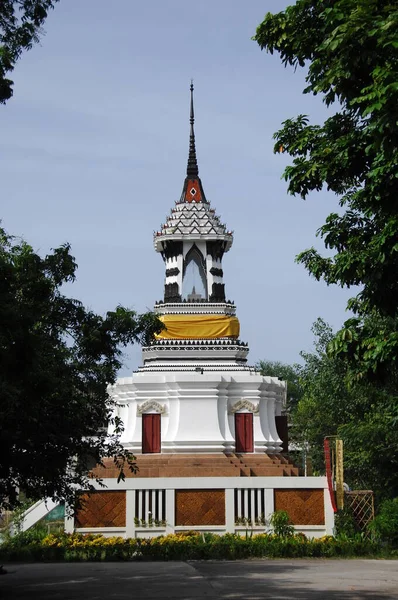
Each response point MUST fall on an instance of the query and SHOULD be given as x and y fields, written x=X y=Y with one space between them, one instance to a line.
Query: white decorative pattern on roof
x=199 y=219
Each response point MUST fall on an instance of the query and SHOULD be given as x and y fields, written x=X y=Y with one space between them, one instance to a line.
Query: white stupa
x=195 y=391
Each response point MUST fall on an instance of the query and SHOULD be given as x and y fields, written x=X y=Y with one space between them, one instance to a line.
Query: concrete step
x=204 y=465
x=228 y=471
x=245 y=471
x=149 y=472
x=292 y=472
x=271 y=471
x=256 y=458
x=198 y=460
x=147 y=464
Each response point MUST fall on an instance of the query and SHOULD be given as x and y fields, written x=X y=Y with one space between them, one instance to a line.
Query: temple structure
x=195 y=391
x=207 y=429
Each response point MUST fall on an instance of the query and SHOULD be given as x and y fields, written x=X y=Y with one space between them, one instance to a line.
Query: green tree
x=326 y=402
x=20 y=29
x=360 y=414
x=349 y=48
x=56 y=361
x=285 y=372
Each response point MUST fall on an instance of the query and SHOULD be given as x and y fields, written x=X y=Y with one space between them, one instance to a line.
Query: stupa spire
x=192 y=190
x=192 y=167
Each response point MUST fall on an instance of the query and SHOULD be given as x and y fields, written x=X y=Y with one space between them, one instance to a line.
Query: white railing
x=250 y=507
x=33 y=515
x=150 y=508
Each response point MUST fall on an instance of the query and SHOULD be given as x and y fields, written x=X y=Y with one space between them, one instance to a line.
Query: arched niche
x=194 y=281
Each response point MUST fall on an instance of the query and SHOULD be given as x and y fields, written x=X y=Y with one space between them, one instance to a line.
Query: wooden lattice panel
x=304 y=507
x=200 y=507
x=362 y=506
x=102 y=509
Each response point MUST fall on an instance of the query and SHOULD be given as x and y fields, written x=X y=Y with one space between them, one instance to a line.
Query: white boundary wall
x=249 y=486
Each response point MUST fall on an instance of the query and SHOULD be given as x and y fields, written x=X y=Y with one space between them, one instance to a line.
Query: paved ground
x=248 y=580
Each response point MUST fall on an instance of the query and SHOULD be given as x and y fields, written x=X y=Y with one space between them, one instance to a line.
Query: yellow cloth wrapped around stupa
x=198 y=326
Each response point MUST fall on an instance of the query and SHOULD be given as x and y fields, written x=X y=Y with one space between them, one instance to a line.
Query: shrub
x=190 y=545
x=345 y=524
x=385 y=525
x=281 y=524
x=32 y=535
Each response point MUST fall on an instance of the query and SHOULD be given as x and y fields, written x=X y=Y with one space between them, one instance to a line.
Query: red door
x=244 y=432
x=150 y=433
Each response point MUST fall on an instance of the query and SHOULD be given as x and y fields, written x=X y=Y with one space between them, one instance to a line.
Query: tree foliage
x=20 y=29
x=56 y=361
x=385 y=525
x=360 y=414
x=349 y=48
x=285 y=372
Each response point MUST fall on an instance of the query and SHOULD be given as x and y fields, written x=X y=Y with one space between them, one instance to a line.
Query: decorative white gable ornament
x=244 y=404
x=151 y=405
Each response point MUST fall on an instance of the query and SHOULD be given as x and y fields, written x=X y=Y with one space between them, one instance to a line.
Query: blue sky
x=94 y=146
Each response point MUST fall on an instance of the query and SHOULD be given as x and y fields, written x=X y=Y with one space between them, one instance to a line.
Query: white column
x=140 y=511
x=259 y=493
x=246 y=501
x=170 y=511
x=154 y=494
x=269 y=503
x=147 y=515
x=130 y=513
x=160 y=504
x=230 y=510
x=69 y=522
x=253 y=505
x=329 y=514
x=239 y=508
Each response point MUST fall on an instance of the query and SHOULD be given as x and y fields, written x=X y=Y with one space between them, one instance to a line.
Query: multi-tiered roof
x=193 y=220
x=201 y=327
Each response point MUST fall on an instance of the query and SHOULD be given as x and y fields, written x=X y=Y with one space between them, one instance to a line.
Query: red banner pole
x=328 y=465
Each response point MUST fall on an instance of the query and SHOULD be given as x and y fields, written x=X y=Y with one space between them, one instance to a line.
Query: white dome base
x=198 y=409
